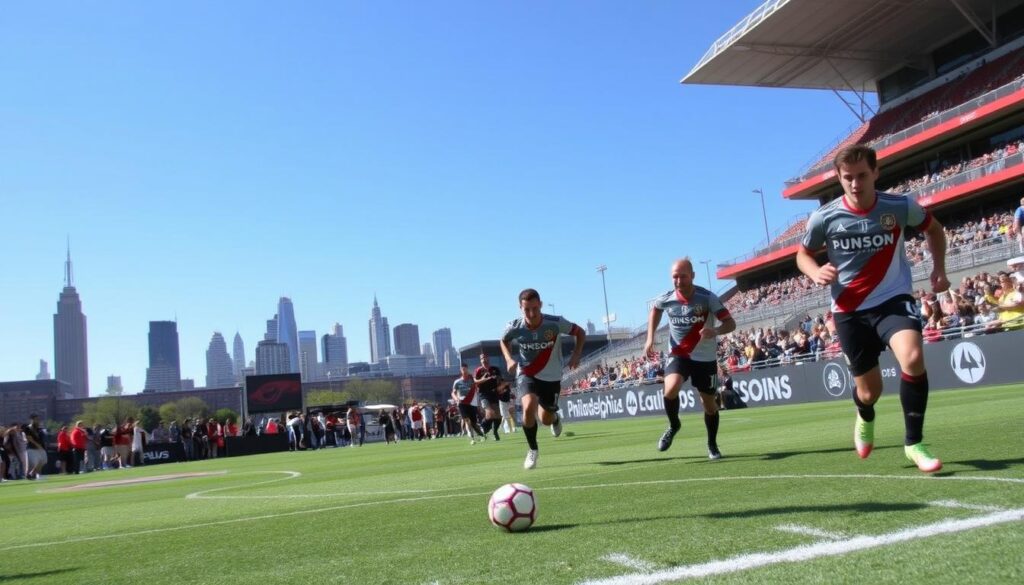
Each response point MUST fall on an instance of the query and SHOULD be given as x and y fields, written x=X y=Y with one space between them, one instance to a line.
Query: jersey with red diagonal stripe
x=466 y=391
x=540 y=349
x=686 y=317
x=867 y=248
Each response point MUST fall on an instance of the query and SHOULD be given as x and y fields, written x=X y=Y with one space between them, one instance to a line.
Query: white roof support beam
x=977 y=23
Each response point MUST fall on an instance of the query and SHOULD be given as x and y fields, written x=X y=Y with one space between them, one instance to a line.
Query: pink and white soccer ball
x=513 y=507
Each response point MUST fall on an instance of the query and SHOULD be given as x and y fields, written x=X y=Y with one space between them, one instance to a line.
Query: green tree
x=149 y=417
x=179 y=410
x=108 y=411
x=321 y=397
x=226 y=413
x=381 y=392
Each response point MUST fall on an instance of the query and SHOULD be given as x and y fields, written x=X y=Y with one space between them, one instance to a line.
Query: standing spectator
x=214 y=437
x=1011 y=304
x=123 y=443
x=92 y=453
x=139 y=438
x=387 y=424
x=416 y=417
x=79 y=443
x=64 y=453
x=354 y=420
x=396 y=419
x=17 y=447
x=174 y=432
x=1018 y=226
x=107 y=452
x=428 y=420
x=186 y=439
x=34 y=438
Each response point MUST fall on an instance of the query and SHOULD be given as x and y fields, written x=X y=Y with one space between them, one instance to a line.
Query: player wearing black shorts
x=465 y=393
x=692 y=349
x=863 y=233
x=487 y=378
x=539 y=379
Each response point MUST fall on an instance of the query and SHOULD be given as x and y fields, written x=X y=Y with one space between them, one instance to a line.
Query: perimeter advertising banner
x=273 y=393
x=958 y=363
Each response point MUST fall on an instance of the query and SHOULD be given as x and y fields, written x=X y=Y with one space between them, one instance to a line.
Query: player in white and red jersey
x=863 y=233
x=692 y=348
x=539 y=380
x=465 y=393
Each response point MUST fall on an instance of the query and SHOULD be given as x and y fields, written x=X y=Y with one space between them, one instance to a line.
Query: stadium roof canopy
x=836 y=44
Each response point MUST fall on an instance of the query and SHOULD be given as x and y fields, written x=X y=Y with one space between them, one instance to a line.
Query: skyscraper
x=444 y=352
x=428 y=352
x=70 y=348
x=238 y=357
x=334 y=348
x=164 y=371
x=219 y=372
x=44 y=371
x=287 y=332
x=271 y=358
x=407 y=339
x=308 y=366
x=114 y=387
x=380 y=334
x=271 y=334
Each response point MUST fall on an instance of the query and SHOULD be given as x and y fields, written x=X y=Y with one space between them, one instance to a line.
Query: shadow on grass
x=860 y=508
x=979 y=465
x=650 y=460
x=5 y=578
x=552 y=527
x=788 y=454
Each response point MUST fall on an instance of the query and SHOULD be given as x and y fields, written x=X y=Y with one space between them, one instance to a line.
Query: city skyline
x=70 y=336
x=344 y=165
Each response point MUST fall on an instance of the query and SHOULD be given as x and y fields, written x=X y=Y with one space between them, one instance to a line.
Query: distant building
x=219 y=366
x=380 y=334
x=445 y=354
x=591 y=328
x=428 y=352
x=334 y=349
x=20 y=399
x=44 y=371
x=271 y=334
x=188 y=384
x=271 y=358
x=164 y=371
x=238 y=357
x=407 y=339
x=114 y=387
x=308 y=366
x=70 y=347
x=287 y=331
x=405 y=365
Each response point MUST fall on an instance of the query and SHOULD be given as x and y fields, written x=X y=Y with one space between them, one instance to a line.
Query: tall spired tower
x=70 y=350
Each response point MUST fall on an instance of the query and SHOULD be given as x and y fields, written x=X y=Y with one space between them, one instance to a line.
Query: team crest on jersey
x=549 y=335
x=888 y=221
x=699 y=310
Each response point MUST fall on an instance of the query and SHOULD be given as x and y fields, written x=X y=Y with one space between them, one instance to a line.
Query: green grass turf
x=415 y=513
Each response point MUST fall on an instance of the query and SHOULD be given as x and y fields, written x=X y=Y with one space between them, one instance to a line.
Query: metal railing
x=774 y=245
x=922 y=194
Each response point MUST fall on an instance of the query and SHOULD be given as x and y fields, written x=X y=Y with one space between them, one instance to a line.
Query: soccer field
x=789 y=503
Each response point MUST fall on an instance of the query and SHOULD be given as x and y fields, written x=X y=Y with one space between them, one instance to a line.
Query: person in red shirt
x=416 y=416
x=271 y=427
x=79 y=442
x=64 y=453
x=214 y=435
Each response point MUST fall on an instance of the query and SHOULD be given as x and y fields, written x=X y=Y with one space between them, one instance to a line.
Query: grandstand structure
x=948 y=78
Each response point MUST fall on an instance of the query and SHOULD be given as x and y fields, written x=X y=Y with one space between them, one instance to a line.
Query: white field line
x=628 y=562
x=962 y=506
x=809 y=531
x=288 y=474
x=812 y=551
x=488 y=493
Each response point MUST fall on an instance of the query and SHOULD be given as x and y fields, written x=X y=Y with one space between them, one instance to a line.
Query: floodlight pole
x=764 y=214
x=707 y=271
x=607 y=315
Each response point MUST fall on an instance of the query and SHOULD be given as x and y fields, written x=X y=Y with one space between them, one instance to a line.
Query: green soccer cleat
x=864 y=437
x=922 y=458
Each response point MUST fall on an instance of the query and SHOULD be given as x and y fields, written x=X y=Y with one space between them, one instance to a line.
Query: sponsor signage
x=273 y=393
x=163 y=453
x=959 y=363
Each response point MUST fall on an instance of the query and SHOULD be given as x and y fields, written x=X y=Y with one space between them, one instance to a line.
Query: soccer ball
x=513 y=507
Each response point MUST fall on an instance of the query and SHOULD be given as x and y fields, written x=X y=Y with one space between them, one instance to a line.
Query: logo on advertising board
x=968 y=362
x=834 y=378
x=632 y=405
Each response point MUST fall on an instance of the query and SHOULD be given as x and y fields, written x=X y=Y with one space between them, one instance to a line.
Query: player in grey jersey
x=863 y=233
x=692 y=348
x=539 y=379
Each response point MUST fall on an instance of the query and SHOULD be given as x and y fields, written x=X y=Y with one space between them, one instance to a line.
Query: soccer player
x=692 y=349
x=539 y=379
x=867 y=268
x=465 y=393
x=487 y=378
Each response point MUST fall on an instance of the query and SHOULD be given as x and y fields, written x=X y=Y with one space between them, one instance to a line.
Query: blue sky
x=208 y=158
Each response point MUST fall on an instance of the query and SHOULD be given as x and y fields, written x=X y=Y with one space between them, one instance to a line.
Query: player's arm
x=813 y=240
x=577 y=351
x=935 y=235
x=510 y=362
x=652 y=327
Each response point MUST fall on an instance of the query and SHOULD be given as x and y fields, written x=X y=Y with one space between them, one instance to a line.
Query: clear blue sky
x=207 y=158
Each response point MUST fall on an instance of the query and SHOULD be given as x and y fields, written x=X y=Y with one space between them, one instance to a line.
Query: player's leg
x=491 y=414
x=529 y=402
x=547 y=405
x=704 y=377
x=907 y=347
x=674 y=378
x=861 y=345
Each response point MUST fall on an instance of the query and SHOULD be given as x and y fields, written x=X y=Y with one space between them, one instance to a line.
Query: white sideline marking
x=963 y=506
x=808 y=531
x=202 y=494
x=628 y=562
x=812 y=551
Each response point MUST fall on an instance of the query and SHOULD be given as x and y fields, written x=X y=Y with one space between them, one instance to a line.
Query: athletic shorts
x=863 y=335
x=504 y=408
x=703 y=375
x=489 y=399
x=467 y=411
x=36 y=458
x=546 y=392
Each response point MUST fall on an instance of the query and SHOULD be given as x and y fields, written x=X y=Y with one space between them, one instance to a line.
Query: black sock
x=531 y=435
x=672 y=411
x=494 y=427
x=487 y=425
x=914 y=397
x=867 y=411
x=711 y=422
